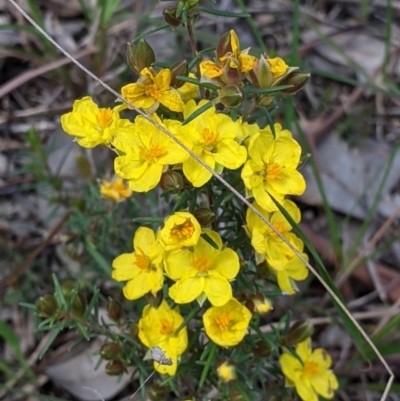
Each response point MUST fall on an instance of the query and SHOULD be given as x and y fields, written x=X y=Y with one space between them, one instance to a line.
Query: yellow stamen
x=311 y=368
x=202 y=264
x=210 y=137
x=166 y=327
x=153 y=152
x=222 y=321
x=105 y=117
x=184 y=230
x=152 y=90
x=142 y=261
x=279 y=226
x=273 y=172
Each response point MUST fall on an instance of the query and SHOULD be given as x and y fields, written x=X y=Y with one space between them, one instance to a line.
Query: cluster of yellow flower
x=194 y=258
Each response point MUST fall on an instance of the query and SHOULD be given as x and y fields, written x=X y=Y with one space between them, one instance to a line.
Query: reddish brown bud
x=262 y=349
x=46 y=305
x=171 y=18
x=140 y=56
x=258 y=303
x=231 y=96
x=172 y=181
x=110 y=351
x=204 y=216
x=155 y=300
x=297 y=78
x=114 y=309
x=134 y=330
x=299 y=332
x=114 y=368
x=224 y=45
x=156 y=392
x=180 y=68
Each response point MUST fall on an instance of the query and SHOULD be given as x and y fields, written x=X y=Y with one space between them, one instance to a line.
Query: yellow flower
x=227 y=371
x=150 y=90
x=227 y=325
x=238 y=59
x=210 y=70
x=278 y=67
x=309 y=373
x=263 y=239
x=188 y=90
x=213 y=136
x=203 y=272
x=258 y=303
x=91 y=125
x=115 y=190
x=271 y=168
x=180 y=230
x=141 y=269
x=157 y=328
x=146 y=152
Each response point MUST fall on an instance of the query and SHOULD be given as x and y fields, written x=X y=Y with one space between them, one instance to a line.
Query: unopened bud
x=262 y=349
x=298 y=79
x=110 y=351
x=236 y=395
x=231 y=96
x=114 y=309
x=114 y=368
x=224 y=45
x=180 y=68
x=227 y=371
x=140 y=56
x=258 y=303
x=46 y=305
x=172 y=181
x=204 y=216
x=78 y=307
x=156 y=392
x=171 y=18
x=299 y=332
x=155 y=299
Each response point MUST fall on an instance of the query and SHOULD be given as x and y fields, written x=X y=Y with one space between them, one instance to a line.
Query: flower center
x=311 y=368
x=166 y=327
x=152 y=90
x=105 y=117
x=279 y=226
x=183 y=231
x=142 y=261
x=210 y=138
x=202 y=264
x=273 y=172
x=153 y=152
x=222 y=321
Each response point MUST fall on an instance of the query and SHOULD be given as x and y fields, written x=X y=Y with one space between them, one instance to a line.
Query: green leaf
x=251 y=89
x=102 y=263
x=53 y=336
x=143 y=35
x=199 y=111
x=223 y=13
x=108 y=8
x=11 y=339
x=209 y=363
x=148 y=220
x=196 y=82
x=209 y=240
x=58 y=294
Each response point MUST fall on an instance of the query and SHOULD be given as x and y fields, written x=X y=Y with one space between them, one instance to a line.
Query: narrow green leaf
x=11 y=339
x=53 y=336
x=209 y=363
x=58 y=294
x=28 y=305
x=143 y=35
x=199 y=111
x=269 y=119
x=251 y=89
x=196 y=82
x=209 y=240
x=199 y=56
x=82 y=329
x=223 y=13
x=102 y=263
x=148 y=220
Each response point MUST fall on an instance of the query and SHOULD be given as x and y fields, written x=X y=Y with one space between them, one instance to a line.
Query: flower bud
x=140 y=56
x=114 y=368
x=171 y=18
x=156 y=392
x=227 y=371
x=224 y=45
x=78 y=307
x=297 y=78
x=155 y=300
x=172 y=181
x=114 y=309
x=231 y=96
x=180 y=68
x=46 y=305
x=258 y=303
x=261 y=76
x=262 y=349
x=299 y=331
x=236 y=395
x=204 y=216
x=110 y=351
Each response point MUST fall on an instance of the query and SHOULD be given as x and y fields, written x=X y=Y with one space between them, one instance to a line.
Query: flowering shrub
x=205 y=276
